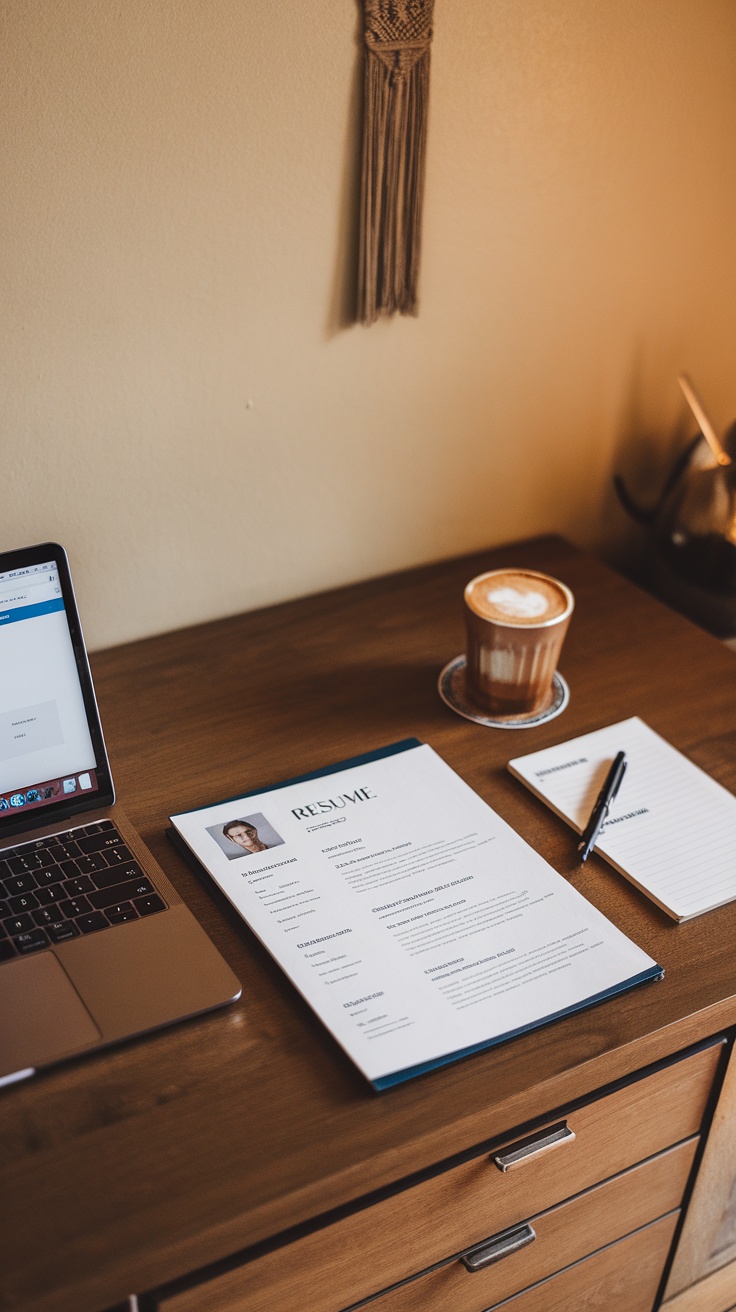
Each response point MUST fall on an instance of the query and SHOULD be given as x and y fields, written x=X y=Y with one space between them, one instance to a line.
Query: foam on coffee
x=517 y=597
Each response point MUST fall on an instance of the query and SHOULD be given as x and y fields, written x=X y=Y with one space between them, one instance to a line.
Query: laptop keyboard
x=74 y=883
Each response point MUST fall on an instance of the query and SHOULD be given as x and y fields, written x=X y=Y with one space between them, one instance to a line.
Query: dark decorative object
x=397 y=40
x=692 y=557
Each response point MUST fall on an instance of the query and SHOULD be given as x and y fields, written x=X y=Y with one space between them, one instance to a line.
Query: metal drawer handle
x=526 y=1150
x=500 y=1246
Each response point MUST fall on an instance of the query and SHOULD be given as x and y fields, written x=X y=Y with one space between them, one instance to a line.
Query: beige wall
x=184 y=403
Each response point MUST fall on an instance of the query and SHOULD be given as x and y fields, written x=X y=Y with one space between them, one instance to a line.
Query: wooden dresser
x=238 y=1163
x=588 y=1201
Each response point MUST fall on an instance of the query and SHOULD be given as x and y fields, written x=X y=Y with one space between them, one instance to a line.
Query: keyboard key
x=33 y=941
x=119 y=915
x=20 y=883
x=118 y=906
x=86 y=865
x=147 y=905
x=47 y=916
x=49 y=860
x=116 y=856
x=68 y=869
x=7 y=950
x=20 y=864
x=18 y=924
x=69 y=846
x=4 y=869
x=23 y=902
x=4 y=910
x=107 y=897
x=3 y=889
x=95 y=920
x=76 y=887
x=75 y=906
x=51 y=876
x=52 y=893
x=97 y=842
x=107 y=878
x=62 y=932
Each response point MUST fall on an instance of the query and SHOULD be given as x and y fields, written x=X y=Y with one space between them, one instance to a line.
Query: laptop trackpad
x=42 y=1016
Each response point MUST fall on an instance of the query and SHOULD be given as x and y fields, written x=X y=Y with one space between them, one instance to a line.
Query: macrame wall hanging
x=397 y=40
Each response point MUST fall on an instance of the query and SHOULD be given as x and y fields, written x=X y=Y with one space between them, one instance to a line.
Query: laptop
x=95 y=943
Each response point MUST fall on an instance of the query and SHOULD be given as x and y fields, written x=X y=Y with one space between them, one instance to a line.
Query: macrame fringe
x=394 y=149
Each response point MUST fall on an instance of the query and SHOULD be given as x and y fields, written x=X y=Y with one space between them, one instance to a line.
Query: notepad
x=671 y=830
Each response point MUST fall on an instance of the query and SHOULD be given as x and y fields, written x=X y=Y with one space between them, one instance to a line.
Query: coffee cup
x=516 y=622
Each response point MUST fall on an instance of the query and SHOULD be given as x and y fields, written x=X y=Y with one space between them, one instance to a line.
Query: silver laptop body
x=95 y=943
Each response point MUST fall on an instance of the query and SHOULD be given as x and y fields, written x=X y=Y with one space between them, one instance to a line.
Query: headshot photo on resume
x=244 y=836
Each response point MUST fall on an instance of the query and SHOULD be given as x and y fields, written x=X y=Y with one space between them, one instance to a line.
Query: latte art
x=517 y=596
x=515 y=604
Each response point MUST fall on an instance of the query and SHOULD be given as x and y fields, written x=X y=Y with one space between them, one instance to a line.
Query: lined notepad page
x=671 y=830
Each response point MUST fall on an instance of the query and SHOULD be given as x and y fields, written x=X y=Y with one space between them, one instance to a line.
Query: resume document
x=417 y=924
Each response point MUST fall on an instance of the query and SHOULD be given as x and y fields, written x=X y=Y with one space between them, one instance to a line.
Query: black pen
x=602 y=805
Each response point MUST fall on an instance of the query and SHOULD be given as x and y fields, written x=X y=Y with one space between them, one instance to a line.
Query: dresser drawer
x=394 y=1239
x=622 y=1278
x=562 y=1236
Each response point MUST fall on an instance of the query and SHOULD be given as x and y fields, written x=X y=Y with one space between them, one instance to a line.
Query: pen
x=602 y=805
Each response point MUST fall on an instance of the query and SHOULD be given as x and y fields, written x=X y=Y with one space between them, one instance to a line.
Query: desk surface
x=132 y=1167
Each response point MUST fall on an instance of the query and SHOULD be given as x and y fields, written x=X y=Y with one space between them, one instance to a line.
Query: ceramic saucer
x=452 y=690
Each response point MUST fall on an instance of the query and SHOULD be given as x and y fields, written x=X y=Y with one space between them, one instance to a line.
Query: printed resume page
x=412 y=918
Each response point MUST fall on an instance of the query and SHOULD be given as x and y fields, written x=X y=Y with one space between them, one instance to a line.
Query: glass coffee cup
x=516 y=621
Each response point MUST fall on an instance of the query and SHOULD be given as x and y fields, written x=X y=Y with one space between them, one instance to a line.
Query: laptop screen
x=48 y=758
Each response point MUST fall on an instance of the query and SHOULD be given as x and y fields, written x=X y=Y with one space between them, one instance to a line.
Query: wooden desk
x=126 y=1170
